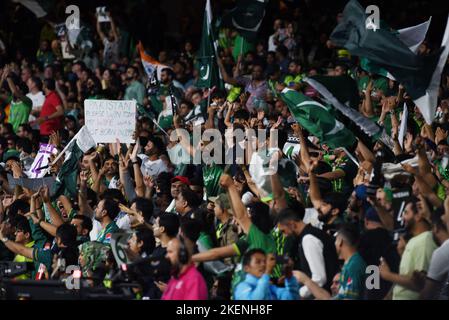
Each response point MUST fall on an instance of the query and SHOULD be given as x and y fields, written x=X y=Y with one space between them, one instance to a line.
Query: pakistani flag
x=318 y=120
x=246 y=17
x=412 y=37
x=65 y=183
x=342 y=93
x=209 y=73
x=420 y=75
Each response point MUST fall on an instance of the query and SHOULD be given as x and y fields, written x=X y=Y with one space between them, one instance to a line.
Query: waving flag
x=209 y=73
x=420 y=75
x=412 y=37
x=246 y=17
x=342 y=93
x=65 y=183
x=318 y=120
x=152 y=66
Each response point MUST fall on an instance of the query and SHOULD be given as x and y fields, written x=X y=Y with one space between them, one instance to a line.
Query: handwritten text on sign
x=108 y=120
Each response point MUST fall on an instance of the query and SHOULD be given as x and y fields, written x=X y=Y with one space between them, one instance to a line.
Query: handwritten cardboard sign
x=108 y=120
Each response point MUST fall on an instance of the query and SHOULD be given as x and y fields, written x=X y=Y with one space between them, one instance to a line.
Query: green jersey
x=19 y=112
x=352 y=278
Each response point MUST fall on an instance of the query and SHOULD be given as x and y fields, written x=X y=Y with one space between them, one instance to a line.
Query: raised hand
x=136 y=149
x=226 y=181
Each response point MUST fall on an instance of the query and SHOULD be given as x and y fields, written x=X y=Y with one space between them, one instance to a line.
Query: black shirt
x=374 y=244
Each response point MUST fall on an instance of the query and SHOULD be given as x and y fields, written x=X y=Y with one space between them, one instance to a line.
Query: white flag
x=403 y=127
x=84 y=139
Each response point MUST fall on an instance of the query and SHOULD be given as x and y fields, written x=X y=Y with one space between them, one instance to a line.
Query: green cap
x=11 y=154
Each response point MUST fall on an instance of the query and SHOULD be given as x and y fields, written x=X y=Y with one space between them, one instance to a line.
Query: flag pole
x=66 y=147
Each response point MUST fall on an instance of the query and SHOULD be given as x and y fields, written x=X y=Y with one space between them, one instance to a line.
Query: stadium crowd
x=311 y=230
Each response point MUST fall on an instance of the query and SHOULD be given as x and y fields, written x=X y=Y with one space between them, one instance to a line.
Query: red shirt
x=189 y=286
x=52 y=100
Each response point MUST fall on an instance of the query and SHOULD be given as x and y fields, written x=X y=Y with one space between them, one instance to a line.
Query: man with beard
x=135 y=89
x=107 y=176
x=152 y=164
x=186 y=282
x=416 y=256
x=330 y=207
x=105 y=213
x=317 y=257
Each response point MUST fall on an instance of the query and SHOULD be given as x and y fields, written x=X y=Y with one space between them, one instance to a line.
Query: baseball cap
x=222 y=200
x=11 y=154
x=183 y=179
x=371 y=215
x=360 y=192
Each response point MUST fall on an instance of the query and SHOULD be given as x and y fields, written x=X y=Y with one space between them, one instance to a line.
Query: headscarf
x=94 y=254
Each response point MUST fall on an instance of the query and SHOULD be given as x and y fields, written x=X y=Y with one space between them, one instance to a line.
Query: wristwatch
x=4 y=240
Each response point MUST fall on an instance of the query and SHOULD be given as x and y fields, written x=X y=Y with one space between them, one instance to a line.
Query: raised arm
x=314 y=190
x=368 y=110
x=227 y=120
x=56 y=219
x=85 y=208
x=138 y=177
x=276 y=185
x=100 y=33
x=215 y=254
x=184 y=139
x=226 y=77
x=15 y=247
x=238 y=207
x=113 y=27
x=16 y=92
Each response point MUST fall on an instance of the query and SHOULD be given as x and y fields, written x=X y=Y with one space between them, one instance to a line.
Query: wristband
x=4 y=240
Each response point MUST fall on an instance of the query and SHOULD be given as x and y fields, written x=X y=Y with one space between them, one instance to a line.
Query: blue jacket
x=253 y=288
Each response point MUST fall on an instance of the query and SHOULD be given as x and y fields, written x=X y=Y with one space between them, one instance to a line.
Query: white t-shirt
x=439 y=264
x=96 y=228
x=38 y=101
x=152 y=168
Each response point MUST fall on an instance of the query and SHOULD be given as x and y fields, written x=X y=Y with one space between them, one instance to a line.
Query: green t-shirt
x=290 y=80
x=135 y=90
x=350 y=169
x=258 y=239
x=206 y=240
x=352 y=278
x=105 y=235
x=211 y=178
x=44 y=256
x=19 y=112
x=255 y=239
